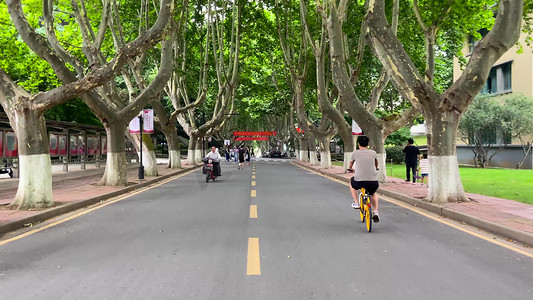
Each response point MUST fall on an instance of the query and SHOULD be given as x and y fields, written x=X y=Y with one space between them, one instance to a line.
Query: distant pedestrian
x=252 y=153
x=247 y=154
x=227 y=155
x=412 y=154
x=236 y=154
x=241 y=158
x=424 y=168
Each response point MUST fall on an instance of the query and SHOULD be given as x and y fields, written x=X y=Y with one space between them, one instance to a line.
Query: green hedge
x=395 y=153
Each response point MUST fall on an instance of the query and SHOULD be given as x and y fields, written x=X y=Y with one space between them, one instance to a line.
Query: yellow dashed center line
x=253 y=176
x=253 y=183
x=253 y=173
x=253 y=211
x=253 y=194
x=254 y=263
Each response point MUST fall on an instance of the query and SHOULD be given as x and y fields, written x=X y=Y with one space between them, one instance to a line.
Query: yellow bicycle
x=366 y=209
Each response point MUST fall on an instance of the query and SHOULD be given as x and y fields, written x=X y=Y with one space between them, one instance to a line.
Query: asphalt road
x=190 y=240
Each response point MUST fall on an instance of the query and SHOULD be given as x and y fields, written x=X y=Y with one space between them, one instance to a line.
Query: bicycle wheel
x=368 y=218
x=361 y=209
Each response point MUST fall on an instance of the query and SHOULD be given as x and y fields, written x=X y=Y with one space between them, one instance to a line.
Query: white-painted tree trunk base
x=198 y=156
x=325 y=159
x=190 y=157
x=174 y=159
x=115 y=170
x=347 y=159
x=444 y=180
x=35 y=182
x=149 y=163
x=303 y=156
x=382 y=165
x=313 y=158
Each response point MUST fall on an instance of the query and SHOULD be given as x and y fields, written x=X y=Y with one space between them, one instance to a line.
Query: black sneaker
x=375 y=217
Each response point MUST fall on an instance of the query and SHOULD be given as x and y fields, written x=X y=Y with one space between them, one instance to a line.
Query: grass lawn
x=502 y=183
x=420 y=140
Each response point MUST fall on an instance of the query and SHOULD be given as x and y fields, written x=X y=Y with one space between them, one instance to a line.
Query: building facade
x=512 y=73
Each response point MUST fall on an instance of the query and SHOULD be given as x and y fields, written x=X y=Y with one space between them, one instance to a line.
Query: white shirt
x=424 y=166
x=213 y=155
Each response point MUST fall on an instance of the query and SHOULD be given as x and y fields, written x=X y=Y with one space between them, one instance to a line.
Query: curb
x=56 y=211
x=508 y=232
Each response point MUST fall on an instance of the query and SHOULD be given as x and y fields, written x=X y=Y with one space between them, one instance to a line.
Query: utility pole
x=141 y=167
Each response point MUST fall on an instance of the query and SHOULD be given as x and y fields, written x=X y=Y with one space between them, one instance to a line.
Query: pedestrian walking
x=227 y=155
x=247 y=156
x=241 y=158
x=236 y=154
x=412 y=154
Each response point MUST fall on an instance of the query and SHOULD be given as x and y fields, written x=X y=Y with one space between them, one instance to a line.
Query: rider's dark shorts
x=370 y=186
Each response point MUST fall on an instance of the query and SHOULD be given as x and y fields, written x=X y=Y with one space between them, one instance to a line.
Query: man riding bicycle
x=365 y=175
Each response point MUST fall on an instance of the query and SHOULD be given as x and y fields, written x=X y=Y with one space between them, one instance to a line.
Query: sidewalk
x=511 y=219
x=73 y=190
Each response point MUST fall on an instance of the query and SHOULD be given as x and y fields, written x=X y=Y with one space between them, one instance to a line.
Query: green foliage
x=509 y=114
x=495 y=120
x=74 y=110
x=517 y=112
x=23 y=66
x=395 y=153
x=399 y=137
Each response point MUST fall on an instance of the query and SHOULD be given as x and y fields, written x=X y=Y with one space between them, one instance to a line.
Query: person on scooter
x=215 y=157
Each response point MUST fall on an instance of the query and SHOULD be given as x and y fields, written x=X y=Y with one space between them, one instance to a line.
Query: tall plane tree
x=223 y=30
x=442 y=112
x=26 y=112
x=106 y=101
x=344 y=77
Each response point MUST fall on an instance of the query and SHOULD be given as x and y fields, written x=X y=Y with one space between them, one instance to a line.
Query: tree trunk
x=325 y=154
x=444 y=180
x=349 y=148
x=149 y=159
x=116 y=171
x=199 y=151
x=35 y=182
x=174 y=156
x=303 y=150
x=191 y=151
x=312 y=152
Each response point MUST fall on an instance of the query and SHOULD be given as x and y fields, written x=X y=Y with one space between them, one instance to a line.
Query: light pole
x=308 y=150
x=141 y=167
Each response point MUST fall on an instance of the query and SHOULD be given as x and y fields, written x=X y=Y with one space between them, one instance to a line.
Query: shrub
x=395 y=153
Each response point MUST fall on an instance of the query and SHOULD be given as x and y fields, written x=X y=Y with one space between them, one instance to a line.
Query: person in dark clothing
x=412 y=153
x=241 y=158
x=247 y=156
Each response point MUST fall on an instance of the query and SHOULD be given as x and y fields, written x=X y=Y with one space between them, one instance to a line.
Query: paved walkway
x=72 y=190
x=509 y=218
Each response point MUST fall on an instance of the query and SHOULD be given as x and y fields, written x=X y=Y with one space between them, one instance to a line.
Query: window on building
x=11 y=142
x=499 y=80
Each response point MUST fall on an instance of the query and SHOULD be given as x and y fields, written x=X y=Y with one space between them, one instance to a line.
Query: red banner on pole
x=252 y=138
x=259 y=133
